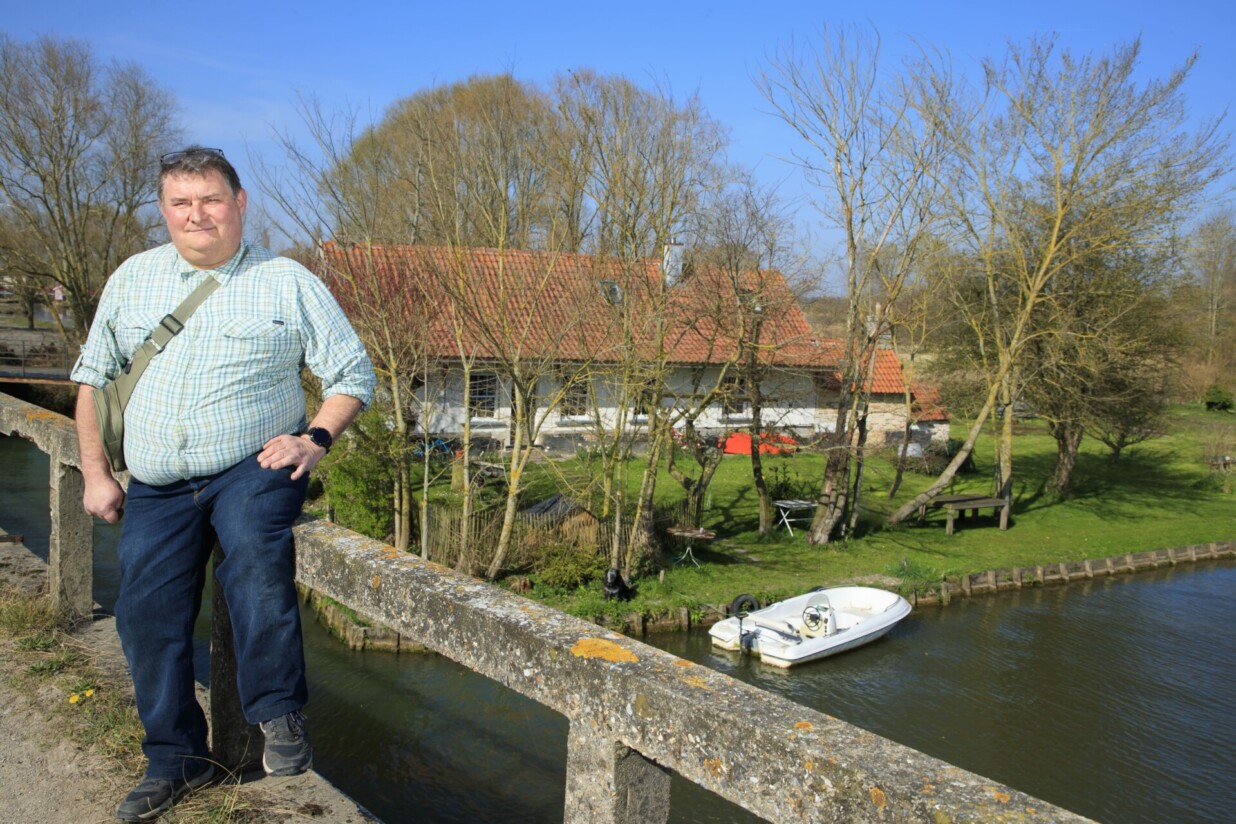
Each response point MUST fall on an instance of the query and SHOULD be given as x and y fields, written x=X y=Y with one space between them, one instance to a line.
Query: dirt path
x=47 y=778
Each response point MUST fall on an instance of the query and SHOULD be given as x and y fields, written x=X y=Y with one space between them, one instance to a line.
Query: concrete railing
x=635 y=712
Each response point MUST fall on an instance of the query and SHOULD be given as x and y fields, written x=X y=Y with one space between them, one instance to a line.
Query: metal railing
x=635 y=712
x=34 y=361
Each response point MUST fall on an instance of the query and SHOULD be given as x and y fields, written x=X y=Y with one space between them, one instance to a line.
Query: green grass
x=1161 y=494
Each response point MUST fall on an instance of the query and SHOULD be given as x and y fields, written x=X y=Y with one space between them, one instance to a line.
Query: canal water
x=1115 y=698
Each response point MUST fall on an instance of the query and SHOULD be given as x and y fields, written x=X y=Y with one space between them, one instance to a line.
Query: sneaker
x=287 y=745
x=154 y=796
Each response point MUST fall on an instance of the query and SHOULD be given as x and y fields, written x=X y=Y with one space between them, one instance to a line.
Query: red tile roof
x=553 y=305
x=492 y=302
x=887 y=377
x=928 y=403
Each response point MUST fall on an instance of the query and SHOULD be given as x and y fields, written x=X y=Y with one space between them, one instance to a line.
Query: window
x=751 y=300
x=734 y=397
x=612 y=292
x=482 y=395
x=642 y=401
x=574 y=403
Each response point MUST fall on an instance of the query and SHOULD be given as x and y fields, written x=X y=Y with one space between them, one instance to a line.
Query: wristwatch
x=320 y=437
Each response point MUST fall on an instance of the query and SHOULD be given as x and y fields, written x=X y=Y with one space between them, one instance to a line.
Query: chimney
x=671 y=263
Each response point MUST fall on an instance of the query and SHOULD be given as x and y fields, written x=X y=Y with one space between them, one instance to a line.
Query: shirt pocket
x=265 y=346
x=131 y=329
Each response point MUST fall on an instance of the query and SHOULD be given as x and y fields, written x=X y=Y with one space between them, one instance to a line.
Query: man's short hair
x=197 y=160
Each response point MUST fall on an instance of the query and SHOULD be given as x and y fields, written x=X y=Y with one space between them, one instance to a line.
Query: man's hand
x=290 y=450
x=104 y=498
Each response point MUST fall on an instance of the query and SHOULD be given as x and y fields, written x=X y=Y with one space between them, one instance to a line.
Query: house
x=930 y=417
x=587 y=341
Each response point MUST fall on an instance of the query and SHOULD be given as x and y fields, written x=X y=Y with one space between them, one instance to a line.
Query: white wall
x=793 y=404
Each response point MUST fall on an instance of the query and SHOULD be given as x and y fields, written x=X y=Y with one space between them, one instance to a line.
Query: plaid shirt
x=230 y=381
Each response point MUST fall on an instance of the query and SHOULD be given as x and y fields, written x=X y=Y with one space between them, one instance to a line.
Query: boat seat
x=845 y=619
x=784 y=627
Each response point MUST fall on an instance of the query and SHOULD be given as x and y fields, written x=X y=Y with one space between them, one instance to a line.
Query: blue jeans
x=164 y=547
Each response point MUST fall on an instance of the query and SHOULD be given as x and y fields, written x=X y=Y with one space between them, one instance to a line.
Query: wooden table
x=954 y=504
x=689 y=534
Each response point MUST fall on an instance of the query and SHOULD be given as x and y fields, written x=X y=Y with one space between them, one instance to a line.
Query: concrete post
x=234 y=743
x=71 y=544
x=609 y=783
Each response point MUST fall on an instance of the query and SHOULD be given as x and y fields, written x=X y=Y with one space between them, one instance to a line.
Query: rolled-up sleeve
x=333 y=350
x=100 y=358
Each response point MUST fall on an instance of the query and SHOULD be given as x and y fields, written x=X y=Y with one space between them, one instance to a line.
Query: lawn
x=1161 y=494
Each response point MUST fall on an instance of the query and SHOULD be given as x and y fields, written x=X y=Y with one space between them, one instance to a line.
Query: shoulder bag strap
x=162 y=335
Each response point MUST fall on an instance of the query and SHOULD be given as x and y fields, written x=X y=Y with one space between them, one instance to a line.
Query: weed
x=24 y=615
x=38 y=643
x=220 y=803
x=785 y=484
x=112 y=727
x=57 y=663
x=566 y=567
x=916 y=577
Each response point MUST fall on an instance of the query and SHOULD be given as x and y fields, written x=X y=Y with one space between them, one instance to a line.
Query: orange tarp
x=739 y=443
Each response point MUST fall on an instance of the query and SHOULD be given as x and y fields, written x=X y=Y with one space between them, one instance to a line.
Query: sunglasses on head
x=172 y=157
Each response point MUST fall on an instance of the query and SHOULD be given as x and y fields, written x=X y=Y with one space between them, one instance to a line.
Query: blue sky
x=237 y=68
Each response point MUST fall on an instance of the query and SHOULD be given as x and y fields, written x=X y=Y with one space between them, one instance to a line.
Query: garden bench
x=954 y=504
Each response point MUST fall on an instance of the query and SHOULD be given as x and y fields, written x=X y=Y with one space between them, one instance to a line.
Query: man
x=218 y=447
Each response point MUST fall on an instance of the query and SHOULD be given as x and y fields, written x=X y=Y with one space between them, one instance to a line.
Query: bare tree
x=455 y=164
x=1209 y=292
x=79 y=147
x=323 y=189
x=610 y=168
x=874 y=160
x=911 y=324
x=746 y=237
x=1057 y=156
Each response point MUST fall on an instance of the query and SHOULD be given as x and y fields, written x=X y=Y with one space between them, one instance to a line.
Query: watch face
x=320 y=437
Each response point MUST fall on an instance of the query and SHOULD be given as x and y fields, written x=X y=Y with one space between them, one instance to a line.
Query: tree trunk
x=860 y=449
x=644 y=548
x=1068 y=437
x=1003 y=482
x=902 y=456
x=424 y=507
x=405 y=505
x=757 y=463
x=832 y=499
x=707 y=458
x=520 y=449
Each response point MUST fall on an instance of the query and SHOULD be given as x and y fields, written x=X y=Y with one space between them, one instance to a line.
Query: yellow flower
x=74 y=698
x=89 y=693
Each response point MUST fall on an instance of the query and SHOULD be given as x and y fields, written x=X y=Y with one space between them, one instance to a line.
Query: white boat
x=808 y=627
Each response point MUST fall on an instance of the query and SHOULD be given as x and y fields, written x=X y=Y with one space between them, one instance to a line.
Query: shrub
x=568 y=567
x=785 y=484
x=935 y=458
x=358 y=485
x=1218 y=399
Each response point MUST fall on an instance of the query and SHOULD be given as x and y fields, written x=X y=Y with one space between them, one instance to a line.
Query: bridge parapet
x=635 y=712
